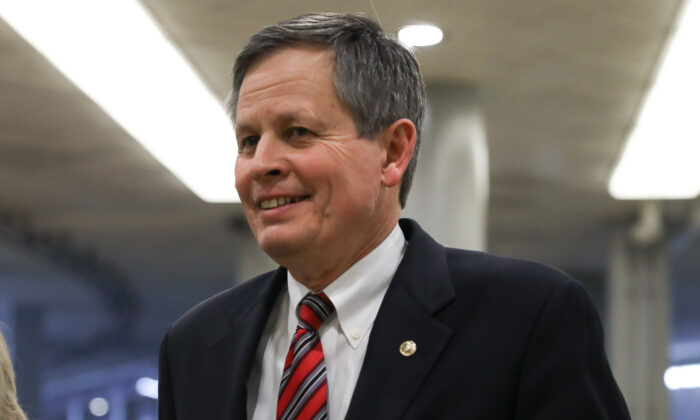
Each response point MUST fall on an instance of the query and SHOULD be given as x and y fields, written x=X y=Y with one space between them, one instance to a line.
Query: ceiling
x=560 y=82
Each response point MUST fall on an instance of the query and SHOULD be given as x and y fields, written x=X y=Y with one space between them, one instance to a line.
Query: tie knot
x=313 y=309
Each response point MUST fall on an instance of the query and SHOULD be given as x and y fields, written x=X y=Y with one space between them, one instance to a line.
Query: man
x=367 y=317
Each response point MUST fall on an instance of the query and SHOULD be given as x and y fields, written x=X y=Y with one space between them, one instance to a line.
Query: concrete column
x=75 y=408
x=117 y=403
x=639 y=308
x=29 y=342
x=450 y=190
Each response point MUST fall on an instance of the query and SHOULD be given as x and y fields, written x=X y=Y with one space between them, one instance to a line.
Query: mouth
x=273 y=203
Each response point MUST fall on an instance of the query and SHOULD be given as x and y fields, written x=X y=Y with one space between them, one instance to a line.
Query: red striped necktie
x=304 y=389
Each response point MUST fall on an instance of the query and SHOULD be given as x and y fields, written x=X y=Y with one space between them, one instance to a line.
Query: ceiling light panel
x=661 y=159
x=114 y=52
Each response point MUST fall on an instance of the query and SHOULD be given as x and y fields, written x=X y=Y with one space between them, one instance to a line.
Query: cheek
x=242 y=179
x=356 y=188
x=243 y=187
x=342 y=176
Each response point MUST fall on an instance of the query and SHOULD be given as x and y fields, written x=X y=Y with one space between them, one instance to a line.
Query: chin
x=280 y=246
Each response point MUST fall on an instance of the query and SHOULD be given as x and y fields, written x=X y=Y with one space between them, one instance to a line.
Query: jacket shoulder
x=514 y=277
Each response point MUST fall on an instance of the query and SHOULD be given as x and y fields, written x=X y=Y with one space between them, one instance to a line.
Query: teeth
x=277 y=202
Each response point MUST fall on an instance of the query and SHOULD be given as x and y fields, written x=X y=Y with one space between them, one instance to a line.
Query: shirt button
x=355 y=334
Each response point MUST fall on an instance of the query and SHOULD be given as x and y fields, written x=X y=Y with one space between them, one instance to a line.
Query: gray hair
x=376 y=77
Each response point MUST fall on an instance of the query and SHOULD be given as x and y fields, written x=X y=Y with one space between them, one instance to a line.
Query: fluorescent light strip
x=147 y=387
x=661 y=159
x=682 y=377
x=115 y=53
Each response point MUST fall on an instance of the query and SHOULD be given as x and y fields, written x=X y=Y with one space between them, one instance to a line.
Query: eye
x=248 y=142
x=298 y=131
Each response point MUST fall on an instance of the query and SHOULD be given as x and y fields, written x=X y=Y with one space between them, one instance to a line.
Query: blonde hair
x=9 y=406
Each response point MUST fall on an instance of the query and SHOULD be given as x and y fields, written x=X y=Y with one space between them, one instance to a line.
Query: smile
x=280 y=201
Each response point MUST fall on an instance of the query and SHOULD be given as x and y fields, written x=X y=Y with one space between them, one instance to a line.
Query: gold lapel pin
x=408 y=348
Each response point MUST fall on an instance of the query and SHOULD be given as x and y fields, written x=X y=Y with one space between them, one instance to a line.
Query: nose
x=269 y=160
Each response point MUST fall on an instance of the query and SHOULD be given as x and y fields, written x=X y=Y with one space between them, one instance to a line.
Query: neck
x=316 y=276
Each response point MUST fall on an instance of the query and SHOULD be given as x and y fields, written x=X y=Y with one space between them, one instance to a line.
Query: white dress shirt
x=356 y=295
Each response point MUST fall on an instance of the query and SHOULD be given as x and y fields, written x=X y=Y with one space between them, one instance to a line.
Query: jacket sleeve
x=565 y=372
x=166 y=407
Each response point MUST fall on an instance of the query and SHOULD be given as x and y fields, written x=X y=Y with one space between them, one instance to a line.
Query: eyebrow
x=242 y=127
x=287 y=117
x=284 y=118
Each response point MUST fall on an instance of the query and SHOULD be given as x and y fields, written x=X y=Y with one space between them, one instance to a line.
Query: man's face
x=310 y=188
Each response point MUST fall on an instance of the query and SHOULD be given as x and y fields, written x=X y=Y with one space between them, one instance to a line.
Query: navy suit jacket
x=496 y=339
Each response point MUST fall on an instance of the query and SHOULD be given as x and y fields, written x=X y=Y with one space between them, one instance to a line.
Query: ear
x=399 y=140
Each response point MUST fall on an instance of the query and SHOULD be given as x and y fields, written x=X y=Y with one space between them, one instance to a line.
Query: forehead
x=293 y=65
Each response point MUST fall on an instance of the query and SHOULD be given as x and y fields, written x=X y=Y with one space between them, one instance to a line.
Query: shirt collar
x=358 y=292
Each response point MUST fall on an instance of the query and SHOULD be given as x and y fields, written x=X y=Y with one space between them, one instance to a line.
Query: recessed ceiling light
x=420 y=35
x=98 y=407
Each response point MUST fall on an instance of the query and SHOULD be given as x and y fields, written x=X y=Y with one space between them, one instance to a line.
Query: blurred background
x=104 y=242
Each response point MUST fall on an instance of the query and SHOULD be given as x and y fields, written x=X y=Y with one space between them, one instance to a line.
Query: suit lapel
x=232 y=354
x=419 y=289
